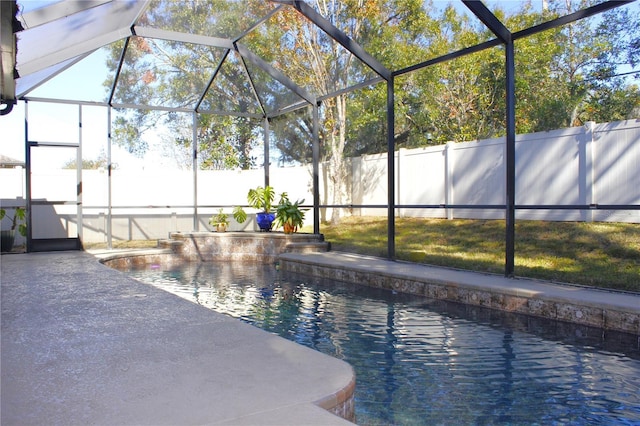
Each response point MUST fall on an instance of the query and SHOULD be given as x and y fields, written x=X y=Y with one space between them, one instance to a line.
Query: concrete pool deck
x=85 y=344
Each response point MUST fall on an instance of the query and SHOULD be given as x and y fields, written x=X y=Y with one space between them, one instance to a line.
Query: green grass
x=123 y=244
x=605 y=255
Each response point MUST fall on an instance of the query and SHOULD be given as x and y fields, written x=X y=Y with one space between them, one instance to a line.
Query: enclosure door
x=54 y=196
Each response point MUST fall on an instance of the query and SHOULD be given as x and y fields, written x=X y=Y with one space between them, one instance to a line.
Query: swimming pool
x=422 y=361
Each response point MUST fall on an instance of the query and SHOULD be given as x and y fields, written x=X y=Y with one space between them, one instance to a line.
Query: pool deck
x=84 y=344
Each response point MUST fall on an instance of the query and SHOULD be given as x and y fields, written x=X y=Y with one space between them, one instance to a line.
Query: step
x=174 y=245
x=308 y=247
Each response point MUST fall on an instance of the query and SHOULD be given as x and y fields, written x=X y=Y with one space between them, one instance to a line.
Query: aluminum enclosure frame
x=503 y=37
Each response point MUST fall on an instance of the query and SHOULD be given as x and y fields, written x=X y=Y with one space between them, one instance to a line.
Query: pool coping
x=83 y=343
x=606 y=309
x=601 y=308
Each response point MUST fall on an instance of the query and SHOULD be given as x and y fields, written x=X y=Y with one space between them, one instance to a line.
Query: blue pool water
x=426 y=362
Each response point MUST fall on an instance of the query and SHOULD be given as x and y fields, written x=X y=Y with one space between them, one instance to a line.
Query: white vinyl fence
x=597 y=164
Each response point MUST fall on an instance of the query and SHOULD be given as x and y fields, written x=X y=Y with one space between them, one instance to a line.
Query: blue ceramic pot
x=265 y=221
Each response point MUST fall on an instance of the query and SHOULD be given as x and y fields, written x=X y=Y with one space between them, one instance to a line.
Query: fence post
x=402 y=152
x=449 y=158
x=586 y=169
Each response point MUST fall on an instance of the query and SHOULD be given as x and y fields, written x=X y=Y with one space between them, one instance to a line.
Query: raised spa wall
x=264 y=247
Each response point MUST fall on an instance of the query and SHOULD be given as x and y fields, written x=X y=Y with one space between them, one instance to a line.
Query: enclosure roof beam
x=489 y=19
x=572 y=17
x=274 y=73
x=213 y=77
x=230 y=113
x=119 y=69
x=449 y=56
x=258 y=23
x=368 y=83
x=56 y=11
x=183 y=37
x=288 y=109
x=340 y=37
x=252 y=85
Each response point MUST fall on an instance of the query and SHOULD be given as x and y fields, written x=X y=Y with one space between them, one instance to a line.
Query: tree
x=307 y=54
x=87 y=164
x=170 y=73
x=587 y=56
x=564 y=76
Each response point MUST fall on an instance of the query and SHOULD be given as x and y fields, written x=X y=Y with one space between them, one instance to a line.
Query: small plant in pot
x=220 y=221
x=289 y=215
x=8 y=236
x=261 y=198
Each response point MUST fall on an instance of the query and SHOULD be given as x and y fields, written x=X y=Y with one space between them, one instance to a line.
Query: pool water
x=423 y=361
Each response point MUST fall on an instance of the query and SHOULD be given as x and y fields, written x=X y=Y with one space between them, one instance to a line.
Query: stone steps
x=174 y=245
x=250 y=246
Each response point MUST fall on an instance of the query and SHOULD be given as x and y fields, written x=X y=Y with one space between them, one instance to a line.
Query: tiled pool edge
x=340 y=403
x=578 y=305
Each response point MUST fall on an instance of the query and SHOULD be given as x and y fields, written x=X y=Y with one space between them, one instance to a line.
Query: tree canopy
x=584 y=71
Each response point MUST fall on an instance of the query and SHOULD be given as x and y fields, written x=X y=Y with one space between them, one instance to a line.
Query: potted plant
x=261 y=198
x=220 y=221
x=8 y=236
x=289 y=215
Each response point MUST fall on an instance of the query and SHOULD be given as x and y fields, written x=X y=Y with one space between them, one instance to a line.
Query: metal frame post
x=79 y=190
x=27 y=164
x=266 y=151
x=109 y=183
x=391 y=193
x=196 y=222
x=315 y=151
x=510 y=112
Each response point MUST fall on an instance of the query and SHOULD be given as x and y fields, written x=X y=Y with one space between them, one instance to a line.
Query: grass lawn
x=123 y=244
x=600 y=254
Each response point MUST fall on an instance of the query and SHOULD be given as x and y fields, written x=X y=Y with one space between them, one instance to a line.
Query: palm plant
x=289 y=215
x=261 y=198
x=19 y=215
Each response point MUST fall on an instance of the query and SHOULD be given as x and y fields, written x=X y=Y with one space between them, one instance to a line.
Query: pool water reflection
x=423 y=361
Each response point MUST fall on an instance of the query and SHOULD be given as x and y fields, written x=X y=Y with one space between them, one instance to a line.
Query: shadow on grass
x=605 y=255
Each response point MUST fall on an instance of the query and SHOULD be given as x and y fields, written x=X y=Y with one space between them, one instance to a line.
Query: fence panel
x=422 y=180
x=478 y=178
x=617 y=169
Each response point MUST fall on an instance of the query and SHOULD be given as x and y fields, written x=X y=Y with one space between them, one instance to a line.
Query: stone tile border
x=342 y=403
x=603 y=309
